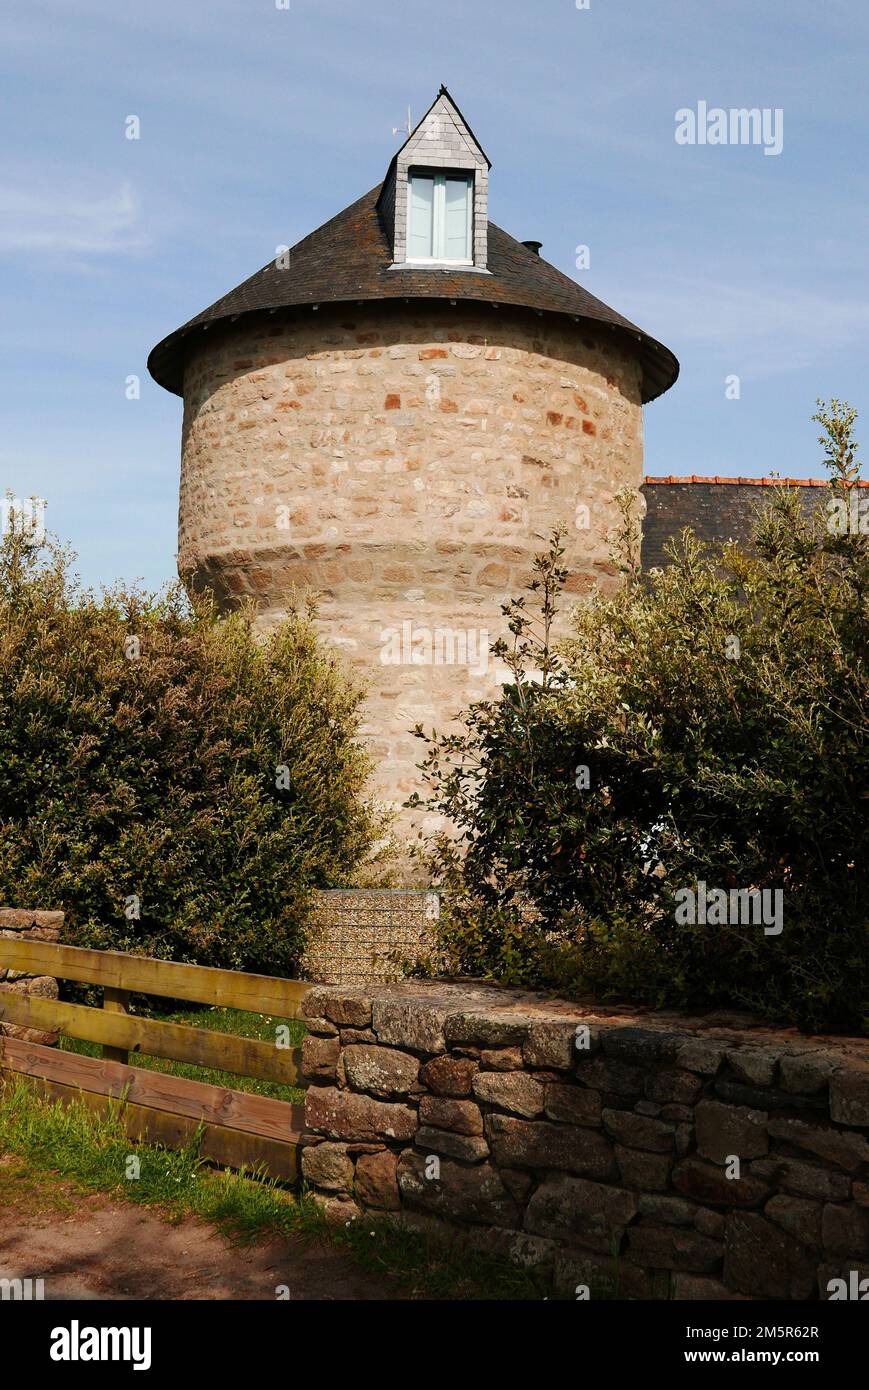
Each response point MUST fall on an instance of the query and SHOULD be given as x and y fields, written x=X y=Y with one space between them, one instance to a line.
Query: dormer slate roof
x=421 y=122
x=348 y=259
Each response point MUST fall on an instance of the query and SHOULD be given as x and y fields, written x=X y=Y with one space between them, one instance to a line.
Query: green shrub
x=739 y=764
x=141 y=742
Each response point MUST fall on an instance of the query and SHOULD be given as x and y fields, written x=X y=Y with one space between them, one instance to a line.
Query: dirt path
x=97 y=1247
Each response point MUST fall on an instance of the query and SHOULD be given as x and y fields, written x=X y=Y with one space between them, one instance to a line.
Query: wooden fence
x=238 y=1129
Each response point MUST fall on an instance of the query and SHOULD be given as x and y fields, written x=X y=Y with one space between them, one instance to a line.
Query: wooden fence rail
x=237 y=1128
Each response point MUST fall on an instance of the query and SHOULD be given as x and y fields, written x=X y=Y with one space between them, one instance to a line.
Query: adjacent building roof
x=716 y=509
x=348 y=260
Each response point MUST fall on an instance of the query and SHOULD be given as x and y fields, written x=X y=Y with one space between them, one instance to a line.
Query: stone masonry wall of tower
x=404 y=462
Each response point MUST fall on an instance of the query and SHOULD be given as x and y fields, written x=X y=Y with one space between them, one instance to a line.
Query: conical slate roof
x=348 y=260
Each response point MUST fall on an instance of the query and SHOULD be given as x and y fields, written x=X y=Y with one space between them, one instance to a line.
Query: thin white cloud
x=753 y=328
x=48 y=219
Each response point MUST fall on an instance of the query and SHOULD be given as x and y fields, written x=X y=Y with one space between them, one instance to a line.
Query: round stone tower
x=393 y=414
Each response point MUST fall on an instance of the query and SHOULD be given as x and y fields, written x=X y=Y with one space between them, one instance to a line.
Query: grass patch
x=91 y=1152
x=245 y=1025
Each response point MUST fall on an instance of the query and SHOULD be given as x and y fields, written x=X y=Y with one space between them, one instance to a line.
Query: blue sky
x=258 y=123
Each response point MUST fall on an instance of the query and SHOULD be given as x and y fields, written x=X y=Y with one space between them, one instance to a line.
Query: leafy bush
x=721 y=709
x=141 y=745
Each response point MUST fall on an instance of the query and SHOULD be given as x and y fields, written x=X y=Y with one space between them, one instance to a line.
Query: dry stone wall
x=35 y=926
x=642 y=1155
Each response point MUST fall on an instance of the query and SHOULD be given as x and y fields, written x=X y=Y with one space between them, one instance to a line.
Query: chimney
x=533 y=246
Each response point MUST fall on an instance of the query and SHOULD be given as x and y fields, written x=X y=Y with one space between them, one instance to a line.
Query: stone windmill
x=392 y=413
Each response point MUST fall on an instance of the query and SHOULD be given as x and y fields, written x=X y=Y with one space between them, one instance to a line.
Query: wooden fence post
x=116 y=1001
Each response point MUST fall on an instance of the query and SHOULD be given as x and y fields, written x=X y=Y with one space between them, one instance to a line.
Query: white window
x=440 y=217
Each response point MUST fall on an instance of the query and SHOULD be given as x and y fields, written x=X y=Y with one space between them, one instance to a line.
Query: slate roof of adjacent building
x=347 y=260
x=716 y=509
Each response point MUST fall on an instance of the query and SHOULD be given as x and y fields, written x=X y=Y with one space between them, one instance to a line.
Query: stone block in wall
x=35 y=924
x=449 y=1076
x=848 y=1151
x=764 y=1261
x=476 y=1195
x=845 y=1229
x=725 y=1130
x=849 y=1097
x=501 y=1058
x=767 y=1098
x=674 y=1247
x=807 y=1073
x=409 y=1024
x=802 y=1179
x=32 y=925
x=351 y=1008
x=488 y=1028
x=376 y=1180
x=338 y=1208
x=666 y=1210
x=462 y=1116
x=322 y=1027
x=673 y=1087
x=574 y=1105
x=634 y=1044
x=679 y=1114
x=710 y=1223
x=551 y=1044
x=754 y=1065
x=381 y=1071
x=514 y=1091
x=639 y=1131
x=571 y=1208
x=613 y=1077
x=357 y=1035
x=470 y=1148
x=319 y=1058
x=700 y=1055
x=644 y=1171
x=328 y=1166
x=529 y=1144
x=798 y=1216
x=705 y=1182
x=346 y=1115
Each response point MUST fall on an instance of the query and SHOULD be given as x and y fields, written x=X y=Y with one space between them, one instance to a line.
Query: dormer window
x=440 y=217
x=434 y=201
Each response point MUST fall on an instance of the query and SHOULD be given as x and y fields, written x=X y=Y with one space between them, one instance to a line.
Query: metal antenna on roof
x=404 y=130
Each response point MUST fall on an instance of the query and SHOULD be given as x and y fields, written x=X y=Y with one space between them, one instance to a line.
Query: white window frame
x=440 y=177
